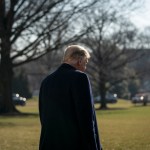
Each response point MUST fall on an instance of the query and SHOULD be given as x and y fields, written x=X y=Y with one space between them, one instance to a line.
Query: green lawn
x=127 y=128
x=122 y=127
x=20 y=132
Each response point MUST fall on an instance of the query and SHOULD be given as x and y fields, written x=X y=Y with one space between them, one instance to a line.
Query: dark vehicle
x=110 y=98
x=18 y=100
x=141 y=98
x=137 y=99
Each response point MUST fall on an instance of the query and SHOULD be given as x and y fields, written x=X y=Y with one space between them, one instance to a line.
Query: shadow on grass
x=19 y=114
x=7 y=124
x=116 y=108
x=9 y=119
x=140 y=105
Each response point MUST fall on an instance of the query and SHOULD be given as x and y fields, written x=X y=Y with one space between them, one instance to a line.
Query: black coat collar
x=67 y=66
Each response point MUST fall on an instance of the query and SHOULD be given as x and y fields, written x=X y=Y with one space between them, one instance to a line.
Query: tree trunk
x=103 y=95
x=6 y=105
x=6 y=74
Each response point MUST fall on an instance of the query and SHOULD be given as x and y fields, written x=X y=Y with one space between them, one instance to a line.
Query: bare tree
x=112 y=36
x=30 y=29
x=39 y=69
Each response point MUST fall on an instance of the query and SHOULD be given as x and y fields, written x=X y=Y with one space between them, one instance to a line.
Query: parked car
x=141 y=98
x=18 y=100
x=137 y=99
x=110 y=98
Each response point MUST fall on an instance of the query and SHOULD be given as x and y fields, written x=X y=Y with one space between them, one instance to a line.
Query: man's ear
x=79 y=61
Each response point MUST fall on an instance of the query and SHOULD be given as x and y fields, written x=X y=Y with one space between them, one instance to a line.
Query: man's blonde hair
x=75 y=52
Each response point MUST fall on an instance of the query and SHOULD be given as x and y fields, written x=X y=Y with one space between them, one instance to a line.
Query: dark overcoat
x=67 y=115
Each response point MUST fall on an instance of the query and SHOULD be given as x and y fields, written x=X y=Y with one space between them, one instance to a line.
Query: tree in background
x=29 y=29
x=134 y=86
x=20 y=83
x=110 y=39
x=36 y=71
x=121 y=89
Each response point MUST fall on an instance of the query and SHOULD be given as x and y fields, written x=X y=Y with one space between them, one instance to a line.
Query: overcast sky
x=141 y=18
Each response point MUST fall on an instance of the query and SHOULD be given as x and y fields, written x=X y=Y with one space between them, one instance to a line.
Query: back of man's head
x=74 y=52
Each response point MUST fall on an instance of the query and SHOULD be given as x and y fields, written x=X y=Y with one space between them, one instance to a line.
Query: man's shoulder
x=79 y=74
x=48 y=77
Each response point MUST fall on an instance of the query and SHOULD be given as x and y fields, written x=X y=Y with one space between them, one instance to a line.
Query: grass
x=20 y=132
x=125 y=127
x=122 y=127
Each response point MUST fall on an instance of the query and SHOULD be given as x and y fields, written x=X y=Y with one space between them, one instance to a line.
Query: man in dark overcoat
x=67 y=115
